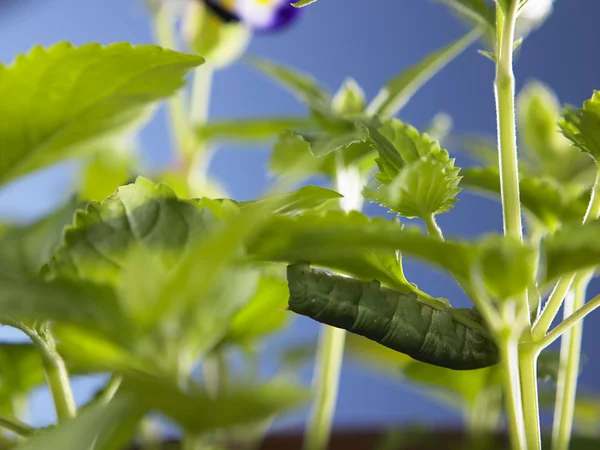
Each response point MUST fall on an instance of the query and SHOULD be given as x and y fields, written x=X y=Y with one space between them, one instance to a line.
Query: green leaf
x=24 y=249
x=322 y=144
x=426 y=184
x=463 y=388
x=97 y=246
x=582 y=126
x=263 y=314
x=353 y=244
x=20 y=371
x=302 y=3
x=312 y=198
x=197 y=412
x=77 y=97
x=249 y=130
x=349 y=100
x=478 y=12
x=219 y=42
x=506 y=265
x=398 y=91
x=543 y=199
x=300 y=84
x=571 y=249
x=104 y=173
x=96 y=424
x=376 y=356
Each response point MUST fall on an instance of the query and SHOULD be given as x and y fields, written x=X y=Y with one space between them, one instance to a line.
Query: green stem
x=432 y=227
x=507 y=137
x=54 y=368
x=508 y=346
x=16 y=426
x=330 y=348
x=570 y=353
x=528 y=355
x=183 y=138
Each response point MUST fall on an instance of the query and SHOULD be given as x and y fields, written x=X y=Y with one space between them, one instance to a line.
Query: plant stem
x=507 y=138
x=432 y=227
x=330 y=348
x=183 y=139
x=570 y=353
x=16 y=426
x=508 y=346
x=54 y=368
x=528 y=355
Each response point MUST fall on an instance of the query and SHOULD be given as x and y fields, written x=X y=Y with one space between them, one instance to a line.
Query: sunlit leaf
x=311 y=198
x=263 y=314
x=62 y=99
x=398 y=91
x=582 y=126
x=354 y=244
x=302 y=3
x=478 y=12
x=427 y=182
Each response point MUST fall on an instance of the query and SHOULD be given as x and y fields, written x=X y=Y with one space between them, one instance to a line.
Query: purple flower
x=260 y=15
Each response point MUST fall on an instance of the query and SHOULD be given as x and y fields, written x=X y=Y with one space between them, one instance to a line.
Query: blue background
x=334 y=39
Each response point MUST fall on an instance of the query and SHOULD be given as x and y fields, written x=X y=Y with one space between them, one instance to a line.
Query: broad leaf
x=24 y=249
x=571 y=249
x=20 y=371
x=311 y=198
x=582 y=126
x=249 y=130
x=105 y=172
x=197 y=412
x=544 y=199
x=427 y=182
x=356 y=245
x=141 y=214
x=58 y=101
x=263 y=314
x=398 y=91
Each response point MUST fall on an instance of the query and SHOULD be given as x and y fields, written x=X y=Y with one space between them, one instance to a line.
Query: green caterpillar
x=394 y=319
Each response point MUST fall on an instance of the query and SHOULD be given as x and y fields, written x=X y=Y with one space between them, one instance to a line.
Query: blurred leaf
x=206 y=34
x=507 y=266
x=78 y=96
x=398 y=91
x=321 y=144
x=427 y=182
x=570 y=249
x=349 y=100
x=478 y=12
x=263 y=314
x=197 y=412
x=376 y=356
x=481 y=149
x=96 y=424
x=544 y=199
x=247 y=130
x=24 y=249
x=582 y=126
x=303 y=86
x=354 y=244
x=141 y=214
x=306 y=198
x=466 y=386
x=104 y=173
x=587 y=407
x=20 y=371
